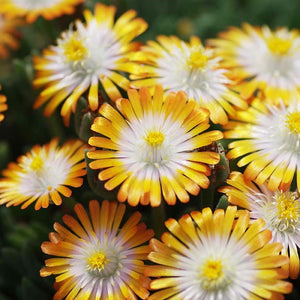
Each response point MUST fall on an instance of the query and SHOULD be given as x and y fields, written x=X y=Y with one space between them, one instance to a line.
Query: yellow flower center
x=212 y=275
x=74 y=50
x=278 y=45
x=36 y=164
x=197 y=59
x=155 y=138
x=293 y=122
x=97 y=261
x=288 y=211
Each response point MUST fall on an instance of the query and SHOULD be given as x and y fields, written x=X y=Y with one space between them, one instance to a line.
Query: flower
x=217 y=256
x=192 y=68
x=269 y=140
x=3 y=106
x=280 y=210
x=95 y=259
x=8 y=35
x=95 y=51
x=31 y=9
x=42 y=174
x=262 y=59
x=155 y=149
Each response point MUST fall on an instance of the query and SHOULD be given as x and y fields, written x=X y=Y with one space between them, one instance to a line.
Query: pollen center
x=74 y=50
x=293 y=122
x=288 y=211
x=97 y=261
x=155 y=138
x=37 y=163
x=197 y=59
x=212 y=275
x=278 y=45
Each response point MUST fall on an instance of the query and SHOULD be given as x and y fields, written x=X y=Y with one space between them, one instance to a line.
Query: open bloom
x=3 y=106
x=262 y=59
x=95 y=259
x=95 y=51
x=269 y=139
x=31 y=9
x=280 y=211
x=205 y=256
x=42 y=174
x=189 y=67
x=8 y=35
x=155 y=149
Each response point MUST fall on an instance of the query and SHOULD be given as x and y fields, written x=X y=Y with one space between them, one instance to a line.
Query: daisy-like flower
x=96 y=51
x=42 y=174
x=262 y=59
x=280 y=211
x=192 y=68
x=269 y=141
x=8 y=35
x=155 y=149
x=31 y=9
x=205 y=256
x=95 y=259
x=3 y=105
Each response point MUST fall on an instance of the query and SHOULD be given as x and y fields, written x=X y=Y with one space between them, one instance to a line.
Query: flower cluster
x=202 y=136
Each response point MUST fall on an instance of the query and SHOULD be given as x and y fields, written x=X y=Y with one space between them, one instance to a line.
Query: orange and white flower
x=155 y=149
x=3 y=105
x=95 y=51
x=280 y=211
x=8 y=35
x=42 y=174
x=217 y=256
x=31 y=9
x=262 y=59
x=189 y=67
x=268 y=142
x=95 y=259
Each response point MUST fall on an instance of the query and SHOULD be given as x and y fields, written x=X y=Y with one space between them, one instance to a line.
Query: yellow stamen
x=287 y=208
x=292 y=122
x=97 y=261
x=37 y=163
x=74 y=50
x=197 y=59
x=155 y=138
x=212 y=275
x=278 y=45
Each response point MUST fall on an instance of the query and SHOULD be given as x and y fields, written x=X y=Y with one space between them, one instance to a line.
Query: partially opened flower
x=3 y=105
x=268 y=142
x=280 y=211
x=217 y=256
x=95 y=259
x=95 y=51
x=189 y=67
x=43 y=175
x=262 y=59
x=152 y=147
x=31 y=9
x=8 y=35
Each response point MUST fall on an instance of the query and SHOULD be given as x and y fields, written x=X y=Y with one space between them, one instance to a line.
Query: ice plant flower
x=8 y=35
x=3 y=105
x=95 y=259
x=152 y=147
x=205 y=256
x=31 y=9
x=280 y=210
x=95 y=51
x=43 y=175
x=268 y=138
x=192 y=68
x=262 y=59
